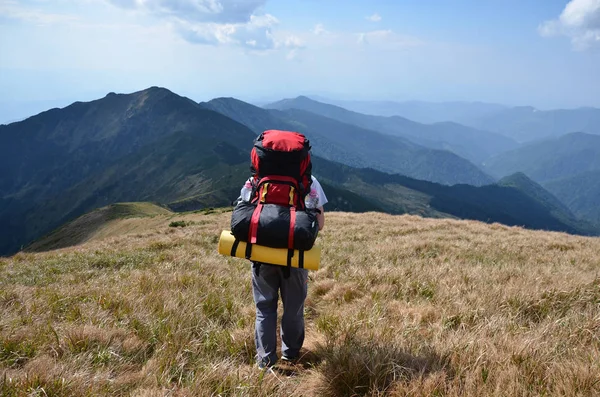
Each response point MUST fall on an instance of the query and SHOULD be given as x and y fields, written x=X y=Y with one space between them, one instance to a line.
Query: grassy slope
x=100 y=223
x=402 y=304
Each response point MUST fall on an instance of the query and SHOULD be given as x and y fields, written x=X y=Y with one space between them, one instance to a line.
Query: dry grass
x=401 y=306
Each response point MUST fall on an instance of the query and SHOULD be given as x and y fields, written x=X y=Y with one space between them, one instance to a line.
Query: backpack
x=281 y=164
x=276 y=215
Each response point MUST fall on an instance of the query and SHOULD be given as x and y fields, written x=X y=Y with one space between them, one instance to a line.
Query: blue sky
x=544 y=53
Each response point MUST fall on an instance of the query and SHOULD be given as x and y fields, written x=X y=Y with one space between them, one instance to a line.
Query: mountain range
x=64 y=162
x=474 y=145
x=568 y=166
x=525 y=124
x=564 y=165
x=520 y=123
x=354 y=145
x=157 y=146
x=420 y=111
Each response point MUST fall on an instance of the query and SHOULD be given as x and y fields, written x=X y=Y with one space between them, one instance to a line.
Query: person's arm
x=321 y=218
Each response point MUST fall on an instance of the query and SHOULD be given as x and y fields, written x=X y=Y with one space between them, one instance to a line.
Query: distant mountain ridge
x=581 y=193
x=526 y=123
x=156 y=146
x=515 y=201
x=568 y=166
x=545 y=198
x=474 y=145
x=520 y=123
x=419 y=111
x=550 y=159
x=357 y=146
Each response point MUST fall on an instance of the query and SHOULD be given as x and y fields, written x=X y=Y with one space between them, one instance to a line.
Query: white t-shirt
x=315 y=199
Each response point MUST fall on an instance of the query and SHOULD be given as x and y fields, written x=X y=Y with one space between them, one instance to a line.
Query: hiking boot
x=262 y=365
x=289 y=359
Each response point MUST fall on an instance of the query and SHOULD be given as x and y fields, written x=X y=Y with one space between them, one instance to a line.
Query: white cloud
x=387 y=39
x=255 y=34
x=34 y=15
x=580 y=21
x=319 y=29
x=213 y=22
x=293 y=42
x=374 y=18
x=292 y=55
x=218 y=11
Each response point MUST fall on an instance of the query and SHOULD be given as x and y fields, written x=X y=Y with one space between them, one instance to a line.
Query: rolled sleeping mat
x=273 y=256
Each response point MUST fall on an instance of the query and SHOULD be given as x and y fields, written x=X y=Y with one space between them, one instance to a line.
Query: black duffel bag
x=274 y=225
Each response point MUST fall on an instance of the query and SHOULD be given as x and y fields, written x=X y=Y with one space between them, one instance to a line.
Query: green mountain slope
x=510 y=203
x=523 y=183
x=581 y=193
x=547 y=200
x=567 y=166
x=59 y=147
x=182 y=165
x=356 y=146
x=65 y=162
x=472 y=144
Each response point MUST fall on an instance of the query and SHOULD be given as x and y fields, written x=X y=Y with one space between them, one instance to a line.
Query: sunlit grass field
x=401 y=306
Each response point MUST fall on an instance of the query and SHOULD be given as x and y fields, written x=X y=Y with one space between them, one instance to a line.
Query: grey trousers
x=265 y=288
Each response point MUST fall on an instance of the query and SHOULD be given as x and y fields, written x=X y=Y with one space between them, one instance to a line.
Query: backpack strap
x=292 y=228
x=286 y=270
x=253 y=230
x=234 y=247
x=248 y=252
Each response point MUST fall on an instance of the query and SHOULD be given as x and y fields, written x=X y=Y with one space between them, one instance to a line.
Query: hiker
x=268 y=281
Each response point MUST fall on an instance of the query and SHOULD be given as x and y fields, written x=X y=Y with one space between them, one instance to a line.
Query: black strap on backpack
x=286 y=270
x=248 y=252
x=234 y=247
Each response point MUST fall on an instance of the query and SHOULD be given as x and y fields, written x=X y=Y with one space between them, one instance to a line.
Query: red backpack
x=281 y=168
x=276 y=215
